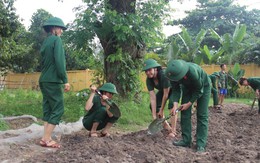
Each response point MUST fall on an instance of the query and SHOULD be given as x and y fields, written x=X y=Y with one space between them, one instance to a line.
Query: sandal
x=104 y=134
x=42 y=143
x=93 y=134
x=50 y=144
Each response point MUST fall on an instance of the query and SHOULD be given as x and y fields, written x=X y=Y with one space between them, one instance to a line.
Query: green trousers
x=214 y=92
x=159 y=97
x=100 y=116
x=202 y=117
x=53 y=102
x=259 y=105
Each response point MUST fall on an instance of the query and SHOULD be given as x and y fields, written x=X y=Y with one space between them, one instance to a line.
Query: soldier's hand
x=93 y=88
x=186 y=106
x=66 y=87
x=160 y=114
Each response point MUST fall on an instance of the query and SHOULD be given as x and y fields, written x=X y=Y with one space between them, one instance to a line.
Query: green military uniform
x=195 y=86
x=163 y=83
x=254 y=82
x=53 y=74
x=98 y=114
x=223 y=78
x=213 y=77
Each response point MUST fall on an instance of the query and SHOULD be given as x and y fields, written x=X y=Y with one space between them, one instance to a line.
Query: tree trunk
x=110 y=46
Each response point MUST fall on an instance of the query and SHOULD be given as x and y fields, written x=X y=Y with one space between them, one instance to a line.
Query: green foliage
x=221 y=15
x=8 y=19
x=234 y=74
x=156 y=57
x=19 y=102
x=135 y=116
x=231 y=45
x=224 y=16
x=124 y=28
x=127 y=72
x=189 y=49
x=251 y=50
x=11 y=34
x=3 y=125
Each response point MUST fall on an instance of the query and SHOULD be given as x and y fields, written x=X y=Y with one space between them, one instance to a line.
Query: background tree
x=124 y=29
x=8 y=25
x=12 y=46
x=37 y=35
x=220 y=15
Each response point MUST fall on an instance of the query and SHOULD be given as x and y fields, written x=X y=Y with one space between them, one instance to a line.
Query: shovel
x=114 y=109
x=157 y=124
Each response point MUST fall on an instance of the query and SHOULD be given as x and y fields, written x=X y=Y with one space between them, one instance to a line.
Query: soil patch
x=233 y=137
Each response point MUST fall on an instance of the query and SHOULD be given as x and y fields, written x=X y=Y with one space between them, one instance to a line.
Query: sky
x=64 y=10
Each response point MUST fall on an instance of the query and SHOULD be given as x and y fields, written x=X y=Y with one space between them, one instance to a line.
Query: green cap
x=54 y=21
x=176 y=69
x=150 y=63
x=108 y=87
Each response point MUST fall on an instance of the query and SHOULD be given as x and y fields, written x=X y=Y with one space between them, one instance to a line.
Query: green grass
x=134 y=115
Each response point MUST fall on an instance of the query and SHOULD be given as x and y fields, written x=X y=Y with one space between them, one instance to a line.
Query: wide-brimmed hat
x=176 y=69
x=150 y=63
x=54 y=21
x=109 y=87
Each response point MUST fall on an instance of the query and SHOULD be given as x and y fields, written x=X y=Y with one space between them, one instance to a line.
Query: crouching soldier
x=98 y=116
x=194 y=83
x=254 y=83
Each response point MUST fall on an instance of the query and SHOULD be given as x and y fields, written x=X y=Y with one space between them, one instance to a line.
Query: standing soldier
x=213 y=77
x=222 y=83
x=194 y=83
x=156 y=80
x=254 y=83
x=53 y=79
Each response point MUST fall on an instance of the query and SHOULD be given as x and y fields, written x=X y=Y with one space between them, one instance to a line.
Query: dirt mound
x=233 y=137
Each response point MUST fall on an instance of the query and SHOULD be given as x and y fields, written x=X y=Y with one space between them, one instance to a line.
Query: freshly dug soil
x=234 y=136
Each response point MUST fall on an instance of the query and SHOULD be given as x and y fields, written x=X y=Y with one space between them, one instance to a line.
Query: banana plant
x=208 y=56
x=234 y=74
x=191 y=47
x=231 y=44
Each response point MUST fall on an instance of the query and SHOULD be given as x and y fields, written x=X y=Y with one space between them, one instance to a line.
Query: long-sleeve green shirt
x=195 y=80
x=254 y=82
x=213 y=79
x=223 y=80
x=163 y=82
x=53 y=61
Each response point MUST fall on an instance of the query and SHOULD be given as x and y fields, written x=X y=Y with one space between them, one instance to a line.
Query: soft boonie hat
x=176 y=70
x=150 y=63
x=55 y=21
x=109 y=87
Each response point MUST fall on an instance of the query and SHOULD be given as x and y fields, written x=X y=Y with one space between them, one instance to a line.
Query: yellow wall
x=82 y=79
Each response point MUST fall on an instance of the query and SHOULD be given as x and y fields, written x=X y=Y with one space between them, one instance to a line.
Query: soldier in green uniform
x=254 y=83
x=53 y=79
x=213 y=77
x=222 y=83
x=98 y=116
x=194 y=83
x=156 y=80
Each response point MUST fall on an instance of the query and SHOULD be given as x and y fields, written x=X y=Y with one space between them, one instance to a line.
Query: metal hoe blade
x=114 y=109
x=157 y=124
